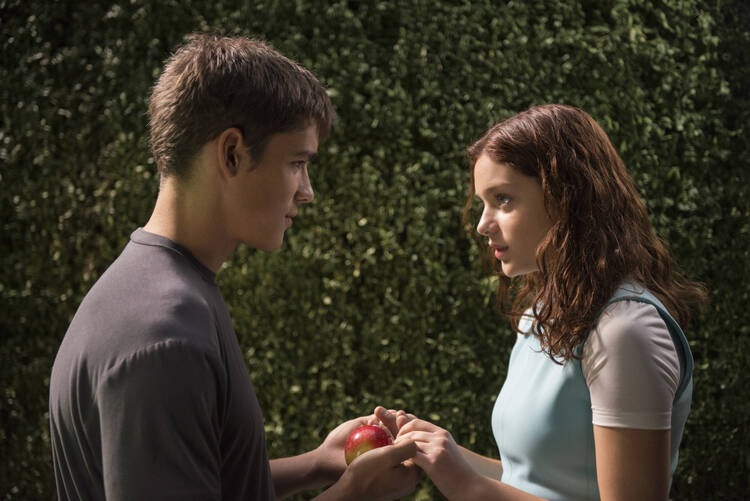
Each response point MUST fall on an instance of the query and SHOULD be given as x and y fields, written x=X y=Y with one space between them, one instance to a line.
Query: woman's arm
x=632 y=370
x=393 y=420
x=632 y=464
x=483 y=465
x=446 y=465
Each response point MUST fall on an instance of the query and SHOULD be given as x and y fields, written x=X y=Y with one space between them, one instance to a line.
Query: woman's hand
x=438 y=455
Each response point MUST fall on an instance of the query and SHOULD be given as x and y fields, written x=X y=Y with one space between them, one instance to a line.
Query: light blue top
x=542 y=418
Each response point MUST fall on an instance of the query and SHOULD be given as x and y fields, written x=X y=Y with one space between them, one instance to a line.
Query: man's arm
x=375 y=475
x=157 y=417
x=298 y=473
x=317 y=468
x=378 y=475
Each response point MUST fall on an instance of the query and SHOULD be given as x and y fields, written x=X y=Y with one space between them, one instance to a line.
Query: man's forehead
x=298 y=142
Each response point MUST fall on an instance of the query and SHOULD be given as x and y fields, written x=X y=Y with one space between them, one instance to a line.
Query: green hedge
x=377 y=296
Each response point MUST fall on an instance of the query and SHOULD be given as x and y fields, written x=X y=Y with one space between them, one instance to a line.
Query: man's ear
x=231 y=151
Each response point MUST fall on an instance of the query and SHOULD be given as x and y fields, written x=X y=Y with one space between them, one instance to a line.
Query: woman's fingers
x=418 y=424
x=417 y=436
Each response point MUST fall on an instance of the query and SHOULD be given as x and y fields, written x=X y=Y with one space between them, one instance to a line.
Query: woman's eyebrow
x=502 y=186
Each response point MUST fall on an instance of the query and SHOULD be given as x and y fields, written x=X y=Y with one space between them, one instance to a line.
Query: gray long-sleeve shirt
x=150 y=397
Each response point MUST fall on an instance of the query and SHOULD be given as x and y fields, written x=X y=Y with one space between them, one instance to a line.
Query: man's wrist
x=326 y=469
x=317 y=475
x=340 y=491
x=297 y=473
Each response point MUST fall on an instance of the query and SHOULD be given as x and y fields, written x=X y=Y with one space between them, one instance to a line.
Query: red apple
x=363 y=439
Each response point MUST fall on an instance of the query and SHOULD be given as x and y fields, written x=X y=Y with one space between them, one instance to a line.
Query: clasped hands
x=394 y=471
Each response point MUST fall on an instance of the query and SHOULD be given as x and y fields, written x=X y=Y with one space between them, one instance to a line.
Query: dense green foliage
x=377 y=296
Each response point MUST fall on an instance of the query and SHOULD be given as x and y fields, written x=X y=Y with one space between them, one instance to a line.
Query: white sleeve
x=631 y=367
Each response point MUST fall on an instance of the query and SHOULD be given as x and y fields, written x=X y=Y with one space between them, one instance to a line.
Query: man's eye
x=299 y=163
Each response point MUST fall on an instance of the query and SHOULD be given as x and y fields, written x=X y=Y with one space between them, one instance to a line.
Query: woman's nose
x=486 y=224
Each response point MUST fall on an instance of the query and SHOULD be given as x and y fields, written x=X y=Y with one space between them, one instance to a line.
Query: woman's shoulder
x=629 y=322
x=631 y=367
x=629 y=312
x=633 y=333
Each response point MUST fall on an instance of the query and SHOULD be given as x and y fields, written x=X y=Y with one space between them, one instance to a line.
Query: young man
x=150 y=397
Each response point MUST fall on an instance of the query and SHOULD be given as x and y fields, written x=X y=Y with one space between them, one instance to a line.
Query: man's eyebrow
x=307 y=154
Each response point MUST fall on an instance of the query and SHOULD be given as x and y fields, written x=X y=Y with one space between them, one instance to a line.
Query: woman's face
x=514 y=218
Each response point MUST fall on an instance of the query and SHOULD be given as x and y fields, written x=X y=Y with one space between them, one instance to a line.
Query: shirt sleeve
x=160 y=425
x=631 y=367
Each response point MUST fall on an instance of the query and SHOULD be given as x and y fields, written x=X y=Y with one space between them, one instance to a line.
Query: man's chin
x=269 y=246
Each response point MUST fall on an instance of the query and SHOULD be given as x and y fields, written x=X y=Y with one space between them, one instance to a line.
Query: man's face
x=261 y=200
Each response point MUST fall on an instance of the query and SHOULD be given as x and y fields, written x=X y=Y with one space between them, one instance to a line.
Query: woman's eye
x=503 y=199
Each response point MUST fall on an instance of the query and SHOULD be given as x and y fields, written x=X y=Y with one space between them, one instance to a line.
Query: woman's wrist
x=460 y=483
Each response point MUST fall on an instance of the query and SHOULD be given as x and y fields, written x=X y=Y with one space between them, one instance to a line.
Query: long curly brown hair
x=600 y=235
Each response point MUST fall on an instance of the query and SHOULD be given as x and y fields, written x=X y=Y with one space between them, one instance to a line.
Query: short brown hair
x=212 y=83
x=601 y=234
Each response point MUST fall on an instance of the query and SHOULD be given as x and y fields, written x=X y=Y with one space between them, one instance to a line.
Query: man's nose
x=305 y=193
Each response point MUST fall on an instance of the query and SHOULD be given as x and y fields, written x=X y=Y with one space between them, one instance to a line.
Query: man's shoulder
x=156 y=262
x=129 y=289
x=140 y=301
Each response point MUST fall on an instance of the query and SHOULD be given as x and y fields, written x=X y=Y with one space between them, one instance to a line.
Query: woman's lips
x=499 y=252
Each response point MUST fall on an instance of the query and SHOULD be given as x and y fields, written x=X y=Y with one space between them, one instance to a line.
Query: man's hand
x=329 y=456
x=377 y=475
x=391 y=419
x=319 y=467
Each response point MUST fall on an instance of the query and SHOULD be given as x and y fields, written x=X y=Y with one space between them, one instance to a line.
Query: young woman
x=599 y=382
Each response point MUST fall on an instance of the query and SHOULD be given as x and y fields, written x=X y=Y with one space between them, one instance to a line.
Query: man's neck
x=190 y=218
